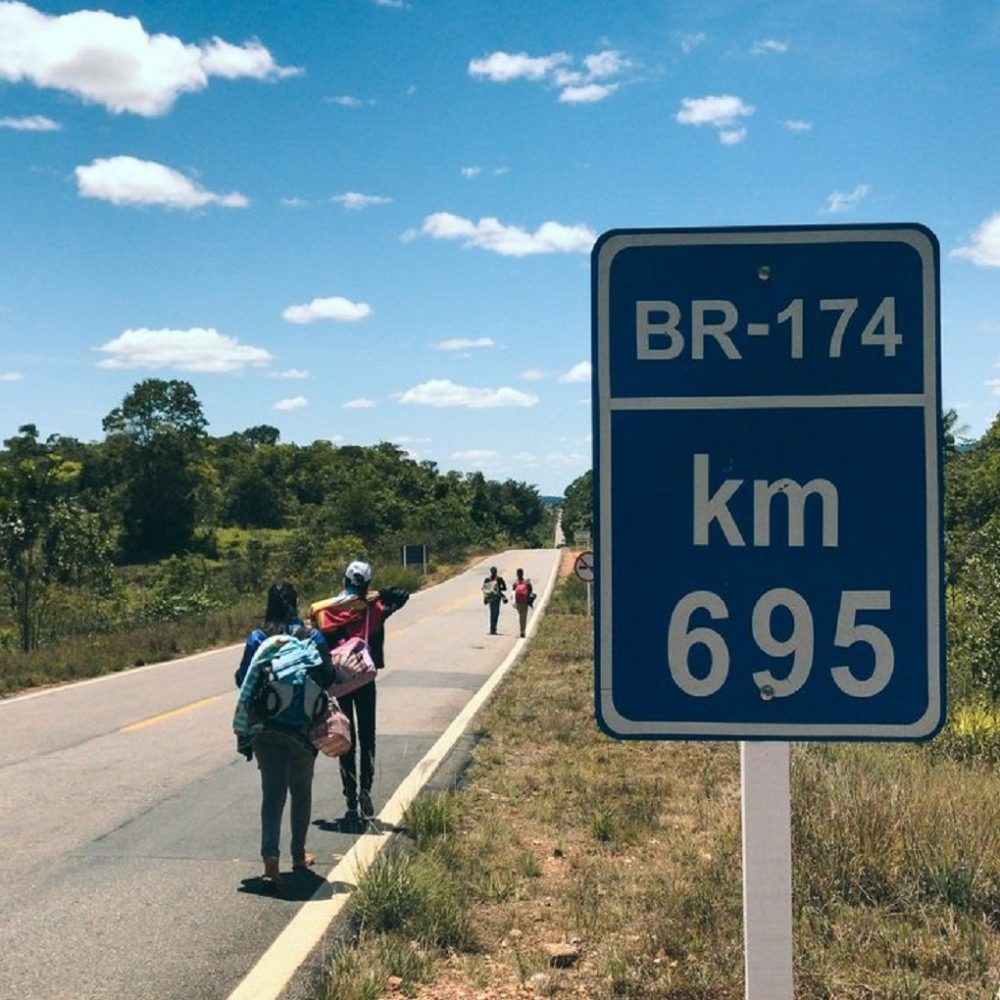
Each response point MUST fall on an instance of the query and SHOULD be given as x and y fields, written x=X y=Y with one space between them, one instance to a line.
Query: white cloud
x=722 y=112
x=359 y=404
x=512 y=241
x=732 y=136
x=294 y=202
x=337 y=308
x=292 y=403
x=578 y=373
x=565 y=459
x=31 y=123
x=463 y=343
x=231 y=62
x=356 y=200
x=533 y=375
x=112 y=61
x=983 y=248
x=10 y=376
x=290 y=373
x=797 y=125
x=481 y=458
x=840 y=201
x=444 y=392
x=607 y=63
x=193 y=350
x=124 y=180
x=691 y=41
x=768 y=47
x=346 y=101
x=502 y=67
x=398 y=4
x=588 y=93
x=470 y=172
x=577 y=86
x=409 y=439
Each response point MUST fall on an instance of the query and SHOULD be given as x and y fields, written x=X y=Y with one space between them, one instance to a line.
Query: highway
x=130 y=824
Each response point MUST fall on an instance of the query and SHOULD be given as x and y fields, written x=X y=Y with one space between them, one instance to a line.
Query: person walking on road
x=276 y=734
x=494 y=594
x=524 y=596
x=367 y=624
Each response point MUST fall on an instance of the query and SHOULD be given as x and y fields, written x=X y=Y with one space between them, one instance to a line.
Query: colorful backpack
x=522 y=592
x=285 y=695
x=491 y=590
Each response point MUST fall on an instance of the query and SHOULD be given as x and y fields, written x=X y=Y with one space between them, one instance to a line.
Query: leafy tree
x=578 y=505
x=262 y=434
x=44 y=536
x=164 y=482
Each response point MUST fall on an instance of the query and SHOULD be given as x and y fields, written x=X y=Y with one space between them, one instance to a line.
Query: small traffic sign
x=584 y=566
x=767 y=483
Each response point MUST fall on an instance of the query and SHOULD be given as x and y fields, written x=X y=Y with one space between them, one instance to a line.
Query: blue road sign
x=767 y=483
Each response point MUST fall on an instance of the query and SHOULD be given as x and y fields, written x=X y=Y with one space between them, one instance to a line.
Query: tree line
x=74 y=515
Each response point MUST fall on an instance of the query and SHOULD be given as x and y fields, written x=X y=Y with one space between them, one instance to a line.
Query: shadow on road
x=296 y=886
x=355 y=824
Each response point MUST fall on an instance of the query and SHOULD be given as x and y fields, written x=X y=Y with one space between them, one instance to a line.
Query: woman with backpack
x=366 y=622
x=281 y=677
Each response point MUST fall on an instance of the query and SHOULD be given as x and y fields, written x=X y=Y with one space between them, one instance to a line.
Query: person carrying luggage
x=282 y=675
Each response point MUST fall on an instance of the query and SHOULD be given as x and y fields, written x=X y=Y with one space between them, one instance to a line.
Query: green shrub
x=972 y=733
x=415 y=894
x=431 y=816
x=361 y=972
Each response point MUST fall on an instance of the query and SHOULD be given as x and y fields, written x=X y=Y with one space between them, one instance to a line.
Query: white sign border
x=913 y=236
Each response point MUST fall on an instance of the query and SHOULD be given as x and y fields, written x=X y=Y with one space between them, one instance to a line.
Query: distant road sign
x=584 y=566
x=767 y=483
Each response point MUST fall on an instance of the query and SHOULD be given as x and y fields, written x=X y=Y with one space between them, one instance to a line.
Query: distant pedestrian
x=524 y=597
x=494 y=594
x=275 y=729
x=367 y=623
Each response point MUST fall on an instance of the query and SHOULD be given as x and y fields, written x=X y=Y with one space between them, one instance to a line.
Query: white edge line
x=274 y=969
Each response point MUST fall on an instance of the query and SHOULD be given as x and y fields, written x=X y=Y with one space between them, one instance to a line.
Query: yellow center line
x=167 y=715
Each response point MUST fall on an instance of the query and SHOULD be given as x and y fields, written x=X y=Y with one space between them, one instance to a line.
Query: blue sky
x=370 y=220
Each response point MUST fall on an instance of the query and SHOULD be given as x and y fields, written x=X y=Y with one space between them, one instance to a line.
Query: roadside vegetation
x=160 y=539
x=568 y=864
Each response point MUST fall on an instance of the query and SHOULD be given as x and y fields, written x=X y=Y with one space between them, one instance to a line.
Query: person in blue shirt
x=285 y=757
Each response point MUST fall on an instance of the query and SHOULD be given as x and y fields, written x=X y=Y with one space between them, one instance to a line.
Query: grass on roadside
x=77 y=657
x=627 y=856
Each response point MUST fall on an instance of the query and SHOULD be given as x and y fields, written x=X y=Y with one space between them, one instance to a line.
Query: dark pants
x=286 y=766
x=359 y=707
x=494 y=615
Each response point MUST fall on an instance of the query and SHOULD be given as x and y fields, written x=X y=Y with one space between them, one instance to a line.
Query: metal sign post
x=584 y=569
x=768 y=506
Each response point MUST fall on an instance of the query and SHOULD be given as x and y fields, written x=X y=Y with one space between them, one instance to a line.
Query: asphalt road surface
x=130 y=825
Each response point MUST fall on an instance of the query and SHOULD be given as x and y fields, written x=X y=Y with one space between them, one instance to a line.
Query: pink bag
x=332 y=734
x=353 y=665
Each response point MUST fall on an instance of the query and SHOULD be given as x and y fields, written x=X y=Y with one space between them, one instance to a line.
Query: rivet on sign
x=767 y=692
x=763 y=272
